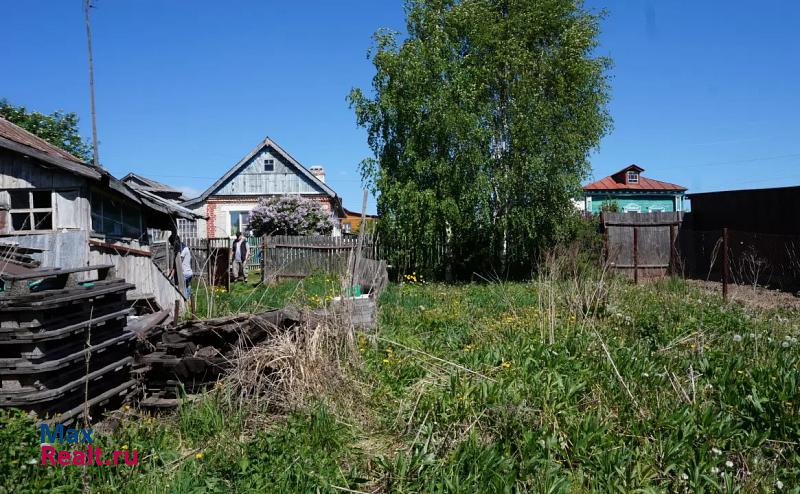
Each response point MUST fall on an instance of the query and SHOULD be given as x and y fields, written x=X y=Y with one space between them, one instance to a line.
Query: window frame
x=31 y=211
x=239 y=225
x=633 y=177
x=123 y=220
x=269 y=162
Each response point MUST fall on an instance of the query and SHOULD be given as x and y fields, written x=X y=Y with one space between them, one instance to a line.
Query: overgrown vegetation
x=541 y=387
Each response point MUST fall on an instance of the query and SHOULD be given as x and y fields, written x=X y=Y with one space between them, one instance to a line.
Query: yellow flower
x=124 y=447
x=506 y=365
x=199 y=456
x=386 y=361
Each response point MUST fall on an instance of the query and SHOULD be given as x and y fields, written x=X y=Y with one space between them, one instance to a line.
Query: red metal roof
x=18 y=134
x=617 y=182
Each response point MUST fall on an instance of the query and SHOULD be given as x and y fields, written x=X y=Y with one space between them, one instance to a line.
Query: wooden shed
x=79 y=214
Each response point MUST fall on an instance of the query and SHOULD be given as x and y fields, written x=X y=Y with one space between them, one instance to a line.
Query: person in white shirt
x=186 y=264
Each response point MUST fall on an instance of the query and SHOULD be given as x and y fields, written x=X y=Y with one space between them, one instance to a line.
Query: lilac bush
x=290 y=215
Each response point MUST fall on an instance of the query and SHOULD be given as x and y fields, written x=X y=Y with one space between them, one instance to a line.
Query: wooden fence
x=286 y=256
x=298 y=256
x=641 y=245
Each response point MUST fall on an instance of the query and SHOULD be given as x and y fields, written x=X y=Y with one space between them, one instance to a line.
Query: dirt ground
x=758 y=297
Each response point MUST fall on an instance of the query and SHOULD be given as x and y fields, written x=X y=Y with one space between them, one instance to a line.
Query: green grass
x=467 y=394
x=253 y=297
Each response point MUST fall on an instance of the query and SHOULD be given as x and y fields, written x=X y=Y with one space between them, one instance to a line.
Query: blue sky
x=705 y=94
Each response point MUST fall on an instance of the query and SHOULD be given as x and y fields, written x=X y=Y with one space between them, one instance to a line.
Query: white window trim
x=30 y=210
x=633 y=177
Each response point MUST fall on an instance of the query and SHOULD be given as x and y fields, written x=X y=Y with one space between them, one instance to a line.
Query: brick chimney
x=318 y=172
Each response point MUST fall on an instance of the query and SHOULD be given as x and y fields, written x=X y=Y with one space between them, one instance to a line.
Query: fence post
x=636 y=255
x=672 y=253
x=725 y=266
x=263 y=258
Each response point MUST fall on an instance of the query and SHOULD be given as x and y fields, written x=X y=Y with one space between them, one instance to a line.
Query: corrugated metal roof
x=617 y=182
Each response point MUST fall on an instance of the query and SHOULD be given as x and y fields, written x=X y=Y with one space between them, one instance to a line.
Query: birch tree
x=481 y=121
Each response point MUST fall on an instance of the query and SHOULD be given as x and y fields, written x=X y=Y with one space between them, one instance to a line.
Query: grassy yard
x=492 y=388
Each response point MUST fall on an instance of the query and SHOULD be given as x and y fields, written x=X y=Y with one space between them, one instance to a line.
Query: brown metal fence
x=757 y=259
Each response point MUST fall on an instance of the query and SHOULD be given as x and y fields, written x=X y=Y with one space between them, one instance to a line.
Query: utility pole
x=86 y=7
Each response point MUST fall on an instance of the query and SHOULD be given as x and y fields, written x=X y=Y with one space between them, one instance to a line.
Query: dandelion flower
x=779 y=485
x=737 y=338
x=124 y=447
x=714 y=470
x=716 y=451
x=785 y=344
x=506 y=365
x=199 y=456
x=729 y=464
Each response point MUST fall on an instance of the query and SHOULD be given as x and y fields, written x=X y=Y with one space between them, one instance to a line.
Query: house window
x=269 y=165
x=114 y=218
x=240 y=221
x=31 y=210
x=186 y=229
x=633 y=177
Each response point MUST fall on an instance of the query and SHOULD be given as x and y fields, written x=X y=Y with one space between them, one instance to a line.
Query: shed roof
x=148 y=184
x=17 y=139
x=617 y=182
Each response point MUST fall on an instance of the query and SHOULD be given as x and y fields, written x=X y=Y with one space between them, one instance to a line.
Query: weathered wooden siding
x=653 y=247
x=252 y=179
x=18 y=172
x=141 y=271
x=61 y=250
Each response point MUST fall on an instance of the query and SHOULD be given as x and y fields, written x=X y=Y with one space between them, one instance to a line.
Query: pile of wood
x=19 y=256
x=64 y=348
x=190 y=356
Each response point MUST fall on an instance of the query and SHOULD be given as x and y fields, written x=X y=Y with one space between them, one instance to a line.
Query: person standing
x=186 y=264
x=239 y=253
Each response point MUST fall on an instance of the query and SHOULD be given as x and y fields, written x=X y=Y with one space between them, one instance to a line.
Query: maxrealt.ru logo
x=91 y=456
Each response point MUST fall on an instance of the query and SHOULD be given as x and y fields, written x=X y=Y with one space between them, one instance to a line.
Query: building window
x=187 y=229
x=31 y=210
x=114 y=218
x=240 y=221
x=269 y=165
x=633 y=177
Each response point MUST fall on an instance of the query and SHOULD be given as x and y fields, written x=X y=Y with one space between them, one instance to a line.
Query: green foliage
x=59 y=129
x=481 y=124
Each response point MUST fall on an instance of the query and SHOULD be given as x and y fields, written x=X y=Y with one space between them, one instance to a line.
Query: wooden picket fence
x=287 y=256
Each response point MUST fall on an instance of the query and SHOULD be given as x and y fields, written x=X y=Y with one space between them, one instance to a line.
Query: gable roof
x=15 y=138
x=617 y=181
x=266 y=143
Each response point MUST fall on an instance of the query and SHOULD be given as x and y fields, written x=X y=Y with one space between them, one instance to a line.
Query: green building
x=628 y=191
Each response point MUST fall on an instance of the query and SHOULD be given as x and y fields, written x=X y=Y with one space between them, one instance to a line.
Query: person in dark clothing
x=239 y=254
